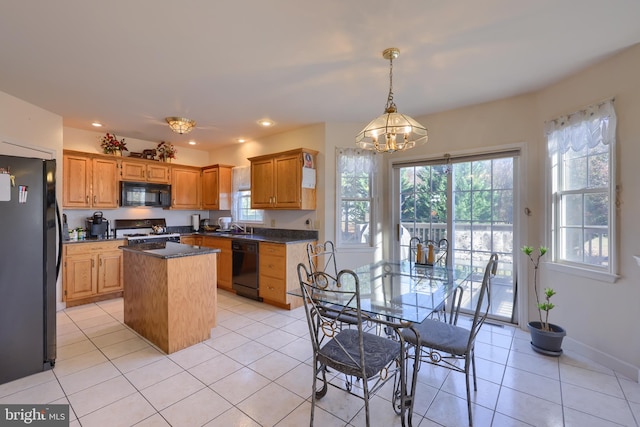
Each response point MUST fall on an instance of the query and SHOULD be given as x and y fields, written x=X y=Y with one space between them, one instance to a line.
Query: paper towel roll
x=195 y=222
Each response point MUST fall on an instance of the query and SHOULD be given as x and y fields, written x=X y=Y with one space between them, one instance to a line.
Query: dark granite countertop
x=168 y=250
x=276 y=236
x=94 y=240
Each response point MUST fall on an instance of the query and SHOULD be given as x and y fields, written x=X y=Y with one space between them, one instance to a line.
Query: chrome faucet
x=238 y=227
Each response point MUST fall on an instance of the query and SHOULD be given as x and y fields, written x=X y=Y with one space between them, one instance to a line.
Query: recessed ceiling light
x=192 y=143
x=96 y=124
x=241 y=140
x=266 y=123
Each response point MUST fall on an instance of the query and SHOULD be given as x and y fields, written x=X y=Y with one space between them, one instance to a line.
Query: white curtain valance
x=356 y=160
x=589 y=127
x=241 y=178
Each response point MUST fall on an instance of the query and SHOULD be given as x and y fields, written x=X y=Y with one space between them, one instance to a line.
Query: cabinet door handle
x=87 y=199
x=100 y=262
x=93 y=262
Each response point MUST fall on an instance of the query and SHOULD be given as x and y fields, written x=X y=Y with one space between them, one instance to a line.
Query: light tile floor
x=255 y=371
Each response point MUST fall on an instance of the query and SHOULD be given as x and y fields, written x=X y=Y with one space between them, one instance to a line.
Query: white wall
x=89 y=142
x=312 y=137
x=601 y=316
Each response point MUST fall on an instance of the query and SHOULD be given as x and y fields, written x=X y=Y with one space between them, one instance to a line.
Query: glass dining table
x=403 y=293
x=406 y=291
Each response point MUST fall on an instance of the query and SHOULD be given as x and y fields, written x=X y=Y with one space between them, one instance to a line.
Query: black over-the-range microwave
x=145 y=194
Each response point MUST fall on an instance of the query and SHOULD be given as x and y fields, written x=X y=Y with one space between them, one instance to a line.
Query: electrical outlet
x=273 y=223
x=316 y=224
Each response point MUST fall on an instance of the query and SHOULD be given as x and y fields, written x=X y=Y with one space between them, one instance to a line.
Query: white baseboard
x=606 y=360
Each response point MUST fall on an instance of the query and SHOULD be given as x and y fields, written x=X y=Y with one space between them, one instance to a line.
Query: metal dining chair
x=448 y=345
x=324 y=271
x=352 y=351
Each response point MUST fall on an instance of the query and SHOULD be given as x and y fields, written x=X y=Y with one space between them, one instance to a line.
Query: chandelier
x=391 y=131
x=180 y=125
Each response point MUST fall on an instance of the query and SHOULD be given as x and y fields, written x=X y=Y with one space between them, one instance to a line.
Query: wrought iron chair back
x=446 y=344
x=322 y=257
x=352 y=352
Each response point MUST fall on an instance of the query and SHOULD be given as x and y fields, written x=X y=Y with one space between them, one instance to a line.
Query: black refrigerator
x=28 y=263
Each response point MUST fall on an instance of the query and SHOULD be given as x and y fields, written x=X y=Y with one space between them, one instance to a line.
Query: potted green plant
x=546 y=338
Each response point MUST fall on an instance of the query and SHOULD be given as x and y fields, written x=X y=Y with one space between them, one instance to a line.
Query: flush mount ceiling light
x=180 y=125
x=391 y=131
x=96 y=124
x=266 y=123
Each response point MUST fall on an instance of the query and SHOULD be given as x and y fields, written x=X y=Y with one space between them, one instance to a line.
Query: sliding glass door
x=470 y=202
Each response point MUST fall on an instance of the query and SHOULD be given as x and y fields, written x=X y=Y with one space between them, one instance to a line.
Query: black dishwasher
x=245 y=268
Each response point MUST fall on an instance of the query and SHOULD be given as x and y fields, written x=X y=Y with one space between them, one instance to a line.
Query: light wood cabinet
x=216 y=187
x=278 y=272
x=191 y=240
x=262 y=179
x=225 y=259
x=185 y=187
x=89 y=181
x=285 y=180
x=144 y=171
x=92 y=271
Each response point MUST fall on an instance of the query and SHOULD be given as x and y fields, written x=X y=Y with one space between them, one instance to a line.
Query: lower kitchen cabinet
x=92 y=272
x=191 y=240
x=225 y=258
x=278 y=272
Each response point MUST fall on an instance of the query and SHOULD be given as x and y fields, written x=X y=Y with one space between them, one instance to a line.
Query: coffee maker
x=97 y=226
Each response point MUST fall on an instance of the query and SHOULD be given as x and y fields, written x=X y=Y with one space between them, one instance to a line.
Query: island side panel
x=192 y=299
x=146 y=302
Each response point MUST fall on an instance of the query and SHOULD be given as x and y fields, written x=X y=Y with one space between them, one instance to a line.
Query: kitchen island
x=170 y=294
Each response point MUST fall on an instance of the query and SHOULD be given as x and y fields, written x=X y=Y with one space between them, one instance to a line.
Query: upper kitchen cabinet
x=186 y=187
x=216 y=187
x=89 y=181
x=285 y=180
x=144 y=171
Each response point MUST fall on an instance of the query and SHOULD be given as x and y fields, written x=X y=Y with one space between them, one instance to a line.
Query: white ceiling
x=226 y=64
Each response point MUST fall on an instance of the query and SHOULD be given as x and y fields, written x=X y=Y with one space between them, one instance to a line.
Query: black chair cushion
x=378 y=353
x=439 y=336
